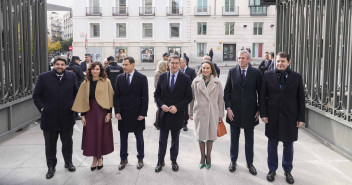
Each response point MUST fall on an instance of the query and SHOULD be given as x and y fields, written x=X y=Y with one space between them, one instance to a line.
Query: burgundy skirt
x=97 y=139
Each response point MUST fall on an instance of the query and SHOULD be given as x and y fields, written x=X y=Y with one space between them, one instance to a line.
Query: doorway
x=229 y=52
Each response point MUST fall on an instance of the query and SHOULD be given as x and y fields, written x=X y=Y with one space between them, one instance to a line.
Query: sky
x=67 y=3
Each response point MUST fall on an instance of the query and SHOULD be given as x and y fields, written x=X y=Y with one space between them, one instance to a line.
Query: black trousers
x=249 y=141
x=185 y=120
x=175 y=136
x=50 y=146
x=124 y=144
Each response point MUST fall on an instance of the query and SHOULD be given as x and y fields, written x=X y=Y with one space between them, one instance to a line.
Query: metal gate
x=23 y=55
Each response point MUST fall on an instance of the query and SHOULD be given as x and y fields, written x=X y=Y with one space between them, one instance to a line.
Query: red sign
x=70 y=48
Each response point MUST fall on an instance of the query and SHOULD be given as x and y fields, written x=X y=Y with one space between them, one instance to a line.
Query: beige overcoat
x=104 y=95
x=206 y=107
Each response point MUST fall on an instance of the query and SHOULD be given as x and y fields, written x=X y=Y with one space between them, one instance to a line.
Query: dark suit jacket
x=242 y=96
x=262 y=66
x=282 y=106
x=180 y=97
x=56 y=98
x=84 y=66
x=131 y=101
x=74 y=67
x=113 y=70
x=191 y=73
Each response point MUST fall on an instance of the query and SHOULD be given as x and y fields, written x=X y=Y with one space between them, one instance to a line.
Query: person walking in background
x=172 y=94
x=264 y=65
x=53 y=95
x=76 y=68
x=191 y=73
x=113 y=70
x=272 y=65
x=95 y=101
x=282 y=109
x=86 y=63
x=241 y=94
x=207 y=109
x=131 y=107
x=211 y=54
x=161 y=68
x=186 y=58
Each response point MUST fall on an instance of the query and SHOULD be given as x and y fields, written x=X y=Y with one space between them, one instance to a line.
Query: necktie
x=243 y=74
x=128 y=79
x=59 y=76
x=172 y=83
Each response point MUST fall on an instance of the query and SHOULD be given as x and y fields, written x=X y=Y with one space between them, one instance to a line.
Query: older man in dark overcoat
x=173 y=93
x=131 y=107
x=282 y=108
x=54 y=94
x=241 y=102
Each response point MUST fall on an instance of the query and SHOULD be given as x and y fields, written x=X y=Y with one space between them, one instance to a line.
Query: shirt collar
x=131 y=74
x=244 y=69
x=174 y=74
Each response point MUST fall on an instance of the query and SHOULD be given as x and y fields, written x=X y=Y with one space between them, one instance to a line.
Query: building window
x=120 y=30
x=174 y=7
x=201 y=49
x=257 y=50
x=148 y=6
x=257 y=9
x=229 y=28
x=94 y=30
x=147 y=30
x=147 y=54
x=174 y=50
x=202 y=28
x=258 y=28
x=120 y=53
x=230 y=5
x=202 y=6
x=174 y=30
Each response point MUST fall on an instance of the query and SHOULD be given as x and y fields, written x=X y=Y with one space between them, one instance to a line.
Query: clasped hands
x=172 y=109
x=118 y=116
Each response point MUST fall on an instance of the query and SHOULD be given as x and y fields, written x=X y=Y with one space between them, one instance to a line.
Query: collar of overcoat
x=177 y=80
x=206 y=90
x=249 y=74
x=273 y=78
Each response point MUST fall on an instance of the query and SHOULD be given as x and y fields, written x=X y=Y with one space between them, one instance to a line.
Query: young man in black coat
x=76 y=68
x=282 y=109
x=191 y=73
x=86 y=63
x=131 y=107
x=113 y=70
x=54 y=94
x=241 y=91
x=173 y=93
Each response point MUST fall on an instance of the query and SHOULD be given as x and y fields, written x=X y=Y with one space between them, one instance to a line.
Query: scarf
x=281 y=76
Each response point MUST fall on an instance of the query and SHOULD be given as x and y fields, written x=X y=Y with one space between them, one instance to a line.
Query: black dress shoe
x=174 y=166
x=289 y=178
x=159 y=166
x=123 y=164
x=271 y=176
x=232 y=166
x=252 y=169
x=93 y=168
x=100 y=167
x=185 y=128
x=50 y=173
x=70 y=167
x=140 y=164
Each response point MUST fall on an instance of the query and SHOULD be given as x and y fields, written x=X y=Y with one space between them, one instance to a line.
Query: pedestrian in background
x=95 y=101
x=207 y=109
x=113 y=70
x=85 y=64
x=211 y=54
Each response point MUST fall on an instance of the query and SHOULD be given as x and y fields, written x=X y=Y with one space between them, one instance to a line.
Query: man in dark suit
x=191 y=73
x=272 y=65
x=264 y=65
x=241 y=91
x=54 y=94
x=131 y=107
x=86 y=63
x=76 y=68
x=113 y=70
x=173 y=93
x=282 y=109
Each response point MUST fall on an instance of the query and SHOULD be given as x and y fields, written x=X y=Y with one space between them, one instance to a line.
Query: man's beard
x=59 y=73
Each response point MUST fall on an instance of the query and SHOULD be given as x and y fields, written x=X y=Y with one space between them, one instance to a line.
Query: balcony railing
x=174 y=11
x=202 y=10
x=119 y=11
x=226 y=10
x=258 y=10
x=93 y=11
x=147 y=11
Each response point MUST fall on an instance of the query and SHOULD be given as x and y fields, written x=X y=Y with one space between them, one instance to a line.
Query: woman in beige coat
x=161 y=68
x=207 y=109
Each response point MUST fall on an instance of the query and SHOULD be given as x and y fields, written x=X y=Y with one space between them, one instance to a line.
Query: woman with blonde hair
x=206 y=109
x=95 y=101
x=160 y=68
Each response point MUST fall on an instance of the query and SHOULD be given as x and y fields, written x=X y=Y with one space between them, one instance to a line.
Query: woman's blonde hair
x=160 y=66
x=213 y=71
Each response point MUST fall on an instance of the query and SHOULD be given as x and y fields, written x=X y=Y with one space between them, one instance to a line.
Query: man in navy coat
x=131 y=107
x=54 y=94
x=173 y=93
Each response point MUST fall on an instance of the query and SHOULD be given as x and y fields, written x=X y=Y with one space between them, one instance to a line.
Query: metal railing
x=258 y=10
x=119 y=11
x=174 y=11
x=226 y=10
x=147 y=11
x=93 y=11
x=202 y=10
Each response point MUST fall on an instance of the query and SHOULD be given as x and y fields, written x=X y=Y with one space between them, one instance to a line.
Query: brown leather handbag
x=221 y=129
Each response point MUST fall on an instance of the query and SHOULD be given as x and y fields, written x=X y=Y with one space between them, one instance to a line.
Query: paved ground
x=22 y=159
